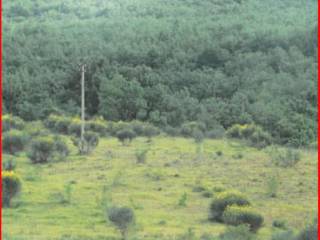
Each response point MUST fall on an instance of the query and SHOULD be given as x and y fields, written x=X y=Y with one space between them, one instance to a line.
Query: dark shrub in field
x=125 y=136
x=41 y=149
x=61 y=147
x=223 y=200
x=188 y=129
x=59 y=124
x=279 y=224
x=217 y=132
x=91 y=141
x=150 y=131
x=9 y=164
x=122 y=218
x=239 y=215
x=34 y=129
x=11 y=185
x=62 y=125
x=260 y=138
x=13 y=141
x=75 y=128
x=47 y=148
x=98 y=126
x=11 y=122
x=234 y=131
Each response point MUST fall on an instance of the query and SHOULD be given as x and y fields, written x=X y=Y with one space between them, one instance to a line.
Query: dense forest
x=168 y=62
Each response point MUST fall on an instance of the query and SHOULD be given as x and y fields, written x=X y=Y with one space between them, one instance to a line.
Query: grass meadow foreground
x=169 y=190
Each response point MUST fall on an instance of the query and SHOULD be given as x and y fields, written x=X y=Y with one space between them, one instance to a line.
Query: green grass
x=154 y=189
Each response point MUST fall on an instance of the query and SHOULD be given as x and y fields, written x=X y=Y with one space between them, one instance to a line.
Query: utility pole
x=82 y=140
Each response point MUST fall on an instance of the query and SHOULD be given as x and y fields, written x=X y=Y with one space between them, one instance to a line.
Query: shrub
x=34 y=129
x=91 y=141
x=237 y=233
x=171 y=131
x=141 y=155
x=61 y=147
x=207 y=194
x=62 y=125
x=310 y=232
x=217 y=132
x=59 y=124
x=198 y=188
x=75 y=128
x=98 y=126
x=11 y=122
x=260 y=138
x=47 y=148
x=198 y=136
x=13 y=141
x=279 y=224
x=150 y=131
x=234 y=131
x=223 y=200
x=219 y=153
x=238 y=215
x=284 y=158
x=9 y=164
x=125 y=135
x=115 y=127
x=121 y=217
x=11 y=185
x=188 y=129
x=256 y=136
x=50 y=122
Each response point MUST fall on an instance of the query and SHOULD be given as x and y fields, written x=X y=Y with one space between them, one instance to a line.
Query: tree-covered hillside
x=218 y=62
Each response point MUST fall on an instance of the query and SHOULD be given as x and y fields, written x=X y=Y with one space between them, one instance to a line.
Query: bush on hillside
x=190 y=128
x=12 y=122
x=44 y=149
x=9 y=164
x=91 y=141
x=58 y=124
x=41 y=149
x=256 y=136
x=125 y=136
x=14 y=141
x=239 y=215
x=34 y=129
x=122 y=218
x=223 y=200
x=75 y=127
x=11 y=185
x=98 y=126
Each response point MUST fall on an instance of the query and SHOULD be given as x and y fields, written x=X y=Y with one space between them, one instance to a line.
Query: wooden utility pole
x=82 y=108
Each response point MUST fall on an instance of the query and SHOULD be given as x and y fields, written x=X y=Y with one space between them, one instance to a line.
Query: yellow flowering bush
x=223 y=200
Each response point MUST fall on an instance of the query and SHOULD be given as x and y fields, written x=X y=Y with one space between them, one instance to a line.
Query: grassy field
x=110 y=175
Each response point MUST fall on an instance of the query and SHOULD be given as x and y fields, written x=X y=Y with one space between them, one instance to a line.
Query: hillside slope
x=110 y=175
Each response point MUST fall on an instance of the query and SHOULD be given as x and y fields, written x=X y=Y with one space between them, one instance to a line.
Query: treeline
x=214 y=62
